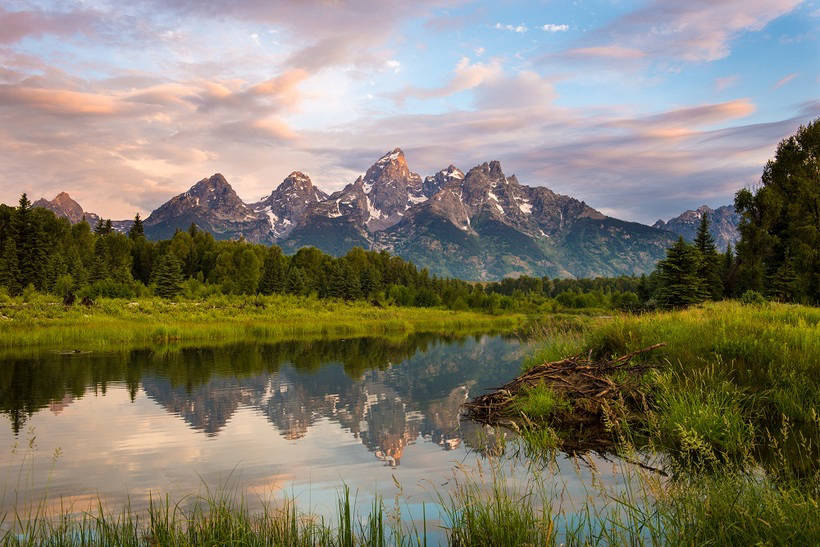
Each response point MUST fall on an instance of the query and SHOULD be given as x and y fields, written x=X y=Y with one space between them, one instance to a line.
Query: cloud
x=698 y=30
x=554 y=28
x=466 y=75
x=16 y=25
x=57 y=101
x=784 y=80
x=512 y=28
x=605 y=52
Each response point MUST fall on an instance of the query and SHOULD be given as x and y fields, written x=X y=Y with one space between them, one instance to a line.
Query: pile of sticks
x=597 y=390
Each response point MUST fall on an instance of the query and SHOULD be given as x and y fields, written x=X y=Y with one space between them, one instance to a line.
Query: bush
x=108 y=288
x=752 y=298
x=63 y=285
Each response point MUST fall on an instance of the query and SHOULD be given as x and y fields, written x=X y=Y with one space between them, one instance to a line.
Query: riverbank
x=728 y=377
x=44 y=321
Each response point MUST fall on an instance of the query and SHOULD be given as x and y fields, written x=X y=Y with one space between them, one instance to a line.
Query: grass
x=541 y=403
x=117 y=323
x=730 y=375
x=482 y=508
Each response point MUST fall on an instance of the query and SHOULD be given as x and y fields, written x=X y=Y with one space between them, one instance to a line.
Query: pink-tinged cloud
x=696 y=30
x=606 y=52
x=57 y=101
x=702 y=115
x=16 y=25
x=784 y=80
x=466 y=76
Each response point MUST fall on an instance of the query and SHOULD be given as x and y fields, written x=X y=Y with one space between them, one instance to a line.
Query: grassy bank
x=44 y=322
x=732 y=381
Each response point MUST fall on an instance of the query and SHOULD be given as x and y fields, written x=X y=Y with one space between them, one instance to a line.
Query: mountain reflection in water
x=387 y=393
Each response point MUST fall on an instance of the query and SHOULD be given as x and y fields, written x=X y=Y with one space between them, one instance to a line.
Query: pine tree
x=296 y=280
x=678 y=282
x=30 y=242
x=99 y=228
x=108 y=226
x=9 y=270
x=137 y=230
x=711 y=283
x=351 y=289
x=728 y=272
x=167 y=277
x=273 y=272
x=782 y=282
x=99 y=267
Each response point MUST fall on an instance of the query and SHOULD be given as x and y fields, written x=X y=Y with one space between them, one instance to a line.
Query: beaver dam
x=585 y=401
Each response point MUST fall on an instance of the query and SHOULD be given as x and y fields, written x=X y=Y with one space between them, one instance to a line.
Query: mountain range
x=478 y=225
x=723 y=224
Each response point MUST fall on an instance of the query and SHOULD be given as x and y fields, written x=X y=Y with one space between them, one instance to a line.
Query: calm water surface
x=295 y=418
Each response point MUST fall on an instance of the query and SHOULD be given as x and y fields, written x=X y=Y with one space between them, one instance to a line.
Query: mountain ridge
x=723 y=224
x=478 y=225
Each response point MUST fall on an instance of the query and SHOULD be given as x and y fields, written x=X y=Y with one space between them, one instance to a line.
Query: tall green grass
x=729 y=376
x=114 y=323
x=485 y=508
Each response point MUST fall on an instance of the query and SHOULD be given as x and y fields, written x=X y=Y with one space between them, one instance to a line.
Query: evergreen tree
x=137 y=230
x=30 y=242
x=167 y=279
x=296 y=280
x=780 y=221
x=678 y=282
x=273 y=272
x=99 y=228
x=351 y=288
x=9 y=270
x=728 y=272
x=783 y=282
x=108 y=226
x=711 y=283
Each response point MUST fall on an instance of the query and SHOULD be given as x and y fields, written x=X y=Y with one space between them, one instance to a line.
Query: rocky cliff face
x=485 y=225
x=723 y=224
x=480 y=225
x=63 y=206
x=213 y=206
x=288 y=204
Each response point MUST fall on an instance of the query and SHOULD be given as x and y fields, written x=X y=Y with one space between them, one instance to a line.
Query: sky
x=643 y=109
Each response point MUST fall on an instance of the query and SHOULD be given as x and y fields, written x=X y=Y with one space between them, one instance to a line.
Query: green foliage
x=64 y=285
x=678 y=282
x=779 y=249
x=541 y=403
x=9 y=269
x=708 y=270
x=167 y=279
x=752 y=298
x=137 y=229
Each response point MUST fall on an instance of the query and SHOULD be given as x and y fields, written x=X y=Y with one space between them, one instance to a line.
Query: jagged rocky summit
x=478 y=225
x=723 y=224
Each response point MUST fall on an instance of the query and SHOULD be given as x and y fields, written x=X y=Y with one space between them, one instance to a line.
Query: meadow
x=43 y=321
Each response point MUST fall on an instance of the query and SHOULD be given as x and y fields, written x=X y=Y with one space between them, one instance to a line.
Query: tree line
x=777 y=256
x=45 y=253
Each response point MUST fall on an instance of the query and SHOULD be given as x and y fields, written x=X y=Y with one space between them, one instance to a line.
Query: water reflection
x=387 y=393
